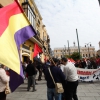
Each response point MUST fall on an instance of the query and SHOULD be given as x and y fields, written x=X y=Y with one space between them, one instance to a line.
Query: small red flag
x=71 y=60
x=37 y=50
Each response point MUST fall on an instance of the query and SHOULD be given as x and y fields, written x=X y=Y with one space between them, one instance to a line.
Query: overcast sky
x=62 y=17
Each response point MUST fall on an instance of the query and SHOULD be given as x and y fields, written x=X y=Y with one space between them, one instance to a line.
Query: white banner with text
x=88 y=74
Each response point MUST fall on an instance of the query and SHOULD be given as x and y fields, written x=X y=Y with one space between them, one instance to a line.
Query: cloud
x=62 y=17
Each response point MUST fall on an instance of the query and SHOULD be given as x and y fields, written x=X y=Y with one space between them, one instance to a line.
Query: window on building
x=56 y=50
x=38 y=33
x=31 y=17
x=26 y=47
x=45 y=38
x=86 y=55
x=61 y=56
x=25 y=0
x=38 y=22
x=83 y=55
x=30 y=13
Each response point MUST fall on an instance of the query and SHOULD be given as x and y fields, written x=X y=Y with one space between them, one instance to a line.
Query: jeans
x=51 y=94
x=31 y=81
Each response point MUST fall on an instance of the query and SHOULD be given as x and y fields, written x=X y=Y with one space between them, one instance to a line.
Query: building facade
x=35 y=18
x=86 y=52
x=98 y=53
x=5 y=2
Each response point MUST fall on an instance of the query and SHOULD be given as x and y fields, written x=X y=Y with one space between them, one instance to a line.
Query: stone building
x=35 y=19
x=86 y=52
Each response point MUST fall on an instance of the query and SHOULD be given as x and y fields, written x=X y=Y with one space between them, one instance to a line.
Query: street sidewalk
x=86 y=91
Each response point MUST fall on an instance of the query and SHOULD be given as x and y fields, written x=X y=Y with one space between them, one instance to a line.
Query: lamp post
x=65 y=49
x=99 y=2
x=78 y=41
x=63 y=52
x=88 y=45
x=99 y=45
x=68 y=47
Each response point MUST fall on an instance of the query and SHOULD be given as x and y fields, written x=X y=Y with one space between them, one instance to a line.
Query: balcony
x=30 y=13
x=31 y=17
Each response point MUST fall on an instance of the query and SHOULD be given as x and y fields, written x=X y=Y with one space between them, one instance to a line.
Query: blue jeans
x=51 y=94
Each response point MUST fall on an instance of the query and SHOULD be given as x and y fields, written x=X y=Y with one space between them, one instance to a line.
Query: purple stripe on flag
x=24 y=34
x=20 y=37
x=15 y=80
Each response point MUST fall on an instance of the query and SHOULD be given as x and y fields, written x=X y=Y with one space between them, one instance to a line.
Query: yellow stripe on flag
x=9 y=55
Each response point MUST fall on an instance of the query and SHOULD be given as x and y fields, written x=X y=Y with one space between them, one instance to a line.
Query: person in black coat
x=31 y=76
x=58 y=77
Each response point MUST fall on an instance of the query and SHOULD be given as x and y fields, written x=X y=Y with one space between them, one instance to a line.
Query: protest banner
x=88 y=74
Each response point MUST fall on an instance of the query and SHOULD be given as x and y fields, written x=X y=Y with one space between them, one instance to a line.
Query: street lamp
x=68 y=47
x=65 y=49
x=88 y=45
x=99 y=2
x=62 y=52
x=78 y=42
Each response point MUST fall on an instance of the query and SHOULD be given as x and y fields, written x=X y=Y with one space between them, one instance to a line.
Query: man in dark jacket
x=58 y=78
x=31 y=76
x=83 y=63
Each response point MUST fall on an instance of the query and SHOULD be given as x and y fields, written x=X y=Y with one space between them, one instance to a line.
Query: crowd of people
x=91 y=63
x=62 y=71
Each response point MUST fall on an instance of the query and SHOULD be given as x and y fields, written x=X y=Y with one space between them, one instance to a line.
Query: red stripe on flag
x=6 y=13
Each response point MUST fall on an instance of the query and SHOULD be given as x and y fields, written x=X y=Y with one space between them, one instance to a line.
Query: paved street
x=86 y=91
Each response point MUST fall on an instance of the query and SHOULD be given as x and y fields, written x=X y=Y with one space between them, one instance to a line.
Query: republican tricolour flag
x=15 y=29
